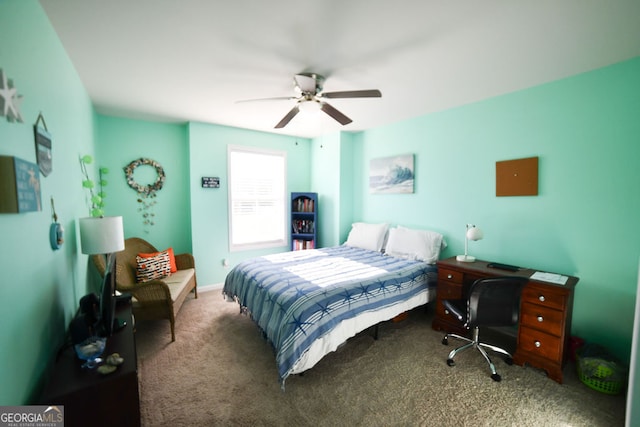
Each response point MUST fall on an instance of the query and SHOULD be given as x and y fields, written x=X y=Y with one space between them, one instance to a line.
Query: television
x=108 y=322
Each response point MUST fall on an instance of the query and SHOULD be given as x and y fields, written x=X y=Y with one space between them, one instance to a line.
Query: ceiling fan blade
x=277 y=98
x=327 y=108
x=286 y=119
x=371 y=93
x=306 y=83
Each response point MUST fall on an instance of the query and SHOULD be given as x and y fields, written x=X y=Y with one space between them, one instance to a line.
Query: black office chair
x=493 y=301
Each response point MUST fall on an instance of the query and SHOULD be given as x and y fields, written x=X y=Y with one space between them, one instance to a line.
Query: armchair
x=155 y=299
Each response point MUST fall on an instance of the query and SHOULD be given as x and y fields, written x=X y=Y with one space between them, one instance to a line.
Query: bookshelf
x=304 y=215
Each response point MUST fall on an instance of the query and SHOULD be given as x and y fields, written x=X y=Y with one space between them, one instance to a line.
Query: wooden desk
x=90 y=398
x=544 y=327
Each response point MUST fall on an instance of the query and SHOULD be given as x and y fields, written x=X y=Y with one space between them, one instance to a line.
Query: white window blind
x=257 y=198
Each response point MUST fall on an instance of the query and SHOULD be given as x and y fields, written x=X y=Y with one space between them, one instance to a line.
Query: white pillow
x=421 y=245
x=367 y=236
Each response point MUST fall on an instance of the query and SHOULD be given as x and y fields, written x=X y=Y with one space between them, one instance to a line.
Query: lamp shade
x=474 y=233
x=101 y=235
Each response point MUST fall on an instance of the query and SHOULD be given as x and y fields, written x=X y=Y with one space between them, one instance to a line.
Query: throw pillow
x=154 y=267
x=172 y=258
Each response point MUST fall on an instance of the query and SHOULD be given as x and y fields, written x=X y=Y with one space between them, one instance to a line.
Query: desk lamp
x=473 y=233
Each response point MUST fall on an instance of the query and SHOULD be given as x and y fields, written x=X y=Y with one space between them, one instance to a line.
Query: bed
x=309 y=302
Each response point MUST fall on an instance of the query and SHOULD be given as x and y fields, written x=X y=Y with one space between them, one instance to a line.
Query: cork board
x=517 y=177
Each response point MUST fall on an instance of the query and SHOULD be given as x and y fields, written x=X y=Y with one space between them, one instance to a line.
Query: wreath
x=149 y=189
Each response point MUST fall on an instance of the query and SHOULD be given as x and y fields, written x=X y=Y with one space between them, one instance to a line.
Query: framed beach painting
x=391 y=174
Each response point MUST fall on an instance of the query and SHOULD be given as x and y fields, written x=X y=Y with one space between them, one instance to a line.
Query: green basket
x=598 y=373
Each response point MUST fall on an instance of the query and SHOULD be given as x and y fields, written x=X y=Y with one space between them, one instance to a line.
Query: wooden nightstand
x=544 y=327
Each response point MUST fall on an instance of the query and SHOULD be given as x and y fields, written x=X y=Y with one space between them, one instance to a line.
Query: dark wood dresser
x=90 y=398
x=544 y=327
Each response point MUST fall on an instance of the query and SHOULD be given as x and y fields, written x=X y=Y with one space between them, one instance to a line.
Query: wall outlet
x=225 y=263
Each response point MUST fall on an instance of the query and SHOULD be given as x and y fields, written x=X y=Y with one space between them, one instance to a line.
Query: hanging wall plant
x=96 y=200
x=146 y=193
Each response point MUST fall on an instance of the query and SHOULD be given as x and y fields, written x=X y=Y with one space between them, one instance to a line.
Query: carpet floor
x=221 y=372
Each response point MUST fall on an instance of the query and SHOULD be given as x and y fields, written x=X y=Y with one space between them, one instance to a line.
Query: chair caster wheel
x=508 y=361
x=496 y=377
x=445 y=341
x=450 y=362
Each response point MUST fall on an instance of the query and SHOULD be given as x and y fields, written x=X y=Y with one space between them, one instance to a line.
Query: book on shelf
x=301 y=244
x=303 y=220
x=304 y=226
x=304 y=205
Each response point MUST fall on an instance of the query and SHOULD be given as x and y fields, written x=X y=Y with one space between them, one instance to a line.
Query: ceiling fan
x=310 y=96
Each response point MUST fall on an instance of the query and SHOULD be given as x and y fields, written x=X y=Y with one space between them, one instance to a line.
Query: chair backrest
x=495 y=301
x=126 y=261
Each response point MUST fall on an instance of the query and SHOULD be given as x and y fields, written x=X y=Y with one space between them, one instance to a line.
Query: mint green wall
x=347 y=174
x=326 y=182
x=209 y=206
x=40 y=287
x=332 y=178
x=585 y=131
x=120 y=141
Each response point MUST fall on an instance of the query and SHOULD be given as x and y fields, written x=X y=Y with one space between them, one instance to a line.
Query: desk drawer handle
x=538 y=344
x=542 y=298
x=449 y=276
x=540 y=318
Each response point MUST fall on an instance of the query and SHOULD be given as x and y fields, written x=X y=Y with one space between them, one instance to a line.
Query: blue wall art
x=391 y=174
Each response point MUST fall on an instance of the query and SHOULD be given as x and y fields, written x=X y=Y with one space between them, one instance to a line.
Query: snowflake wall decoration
x=9 y=99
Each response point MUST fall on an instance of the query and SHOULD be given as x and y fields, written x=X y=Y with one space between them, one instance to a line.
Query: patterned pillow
x=155 y=267
x=172 y=258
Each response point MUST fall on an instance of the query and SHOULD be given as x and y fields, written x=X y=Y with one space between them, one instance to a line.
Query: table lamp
x=101 y=235
x=473 y=233
x=104 y=236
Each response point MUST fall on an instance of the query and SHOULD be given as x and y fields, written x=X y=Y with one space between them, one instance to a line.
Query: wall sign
x=43 y=146
x=19 y=186
x=210 y=182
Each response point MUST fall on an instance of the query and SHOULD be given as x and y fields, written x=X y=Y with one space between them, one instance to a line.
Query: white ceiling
x=191 y=60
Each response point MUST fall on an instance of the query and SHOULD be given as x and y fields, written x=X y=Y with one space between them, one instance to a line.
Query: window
x=257 y=191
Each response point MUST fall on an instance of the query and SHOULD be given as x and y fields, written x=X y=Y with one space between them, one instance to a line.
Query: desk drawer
x=541 y=318
x=448 y=290
x=448 y=322
x=451 y=275
x=544 y=295
x=540 y=343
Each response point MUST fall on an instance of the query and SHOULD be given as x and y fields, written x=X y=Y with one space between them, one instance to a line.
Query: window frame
x=283 y=240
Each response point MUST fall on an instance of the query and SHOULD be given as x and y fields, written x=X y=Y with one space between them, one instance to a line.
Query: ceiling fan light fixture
x=310 y=106
x=311 y=98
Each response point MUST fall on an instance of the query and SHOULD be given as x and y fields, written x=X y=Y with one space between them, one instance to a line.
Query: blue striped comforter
x=297 y=297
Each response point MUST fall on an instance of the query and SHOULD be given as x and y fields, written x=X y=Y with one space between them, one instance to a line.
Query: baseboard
x=208 y=288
